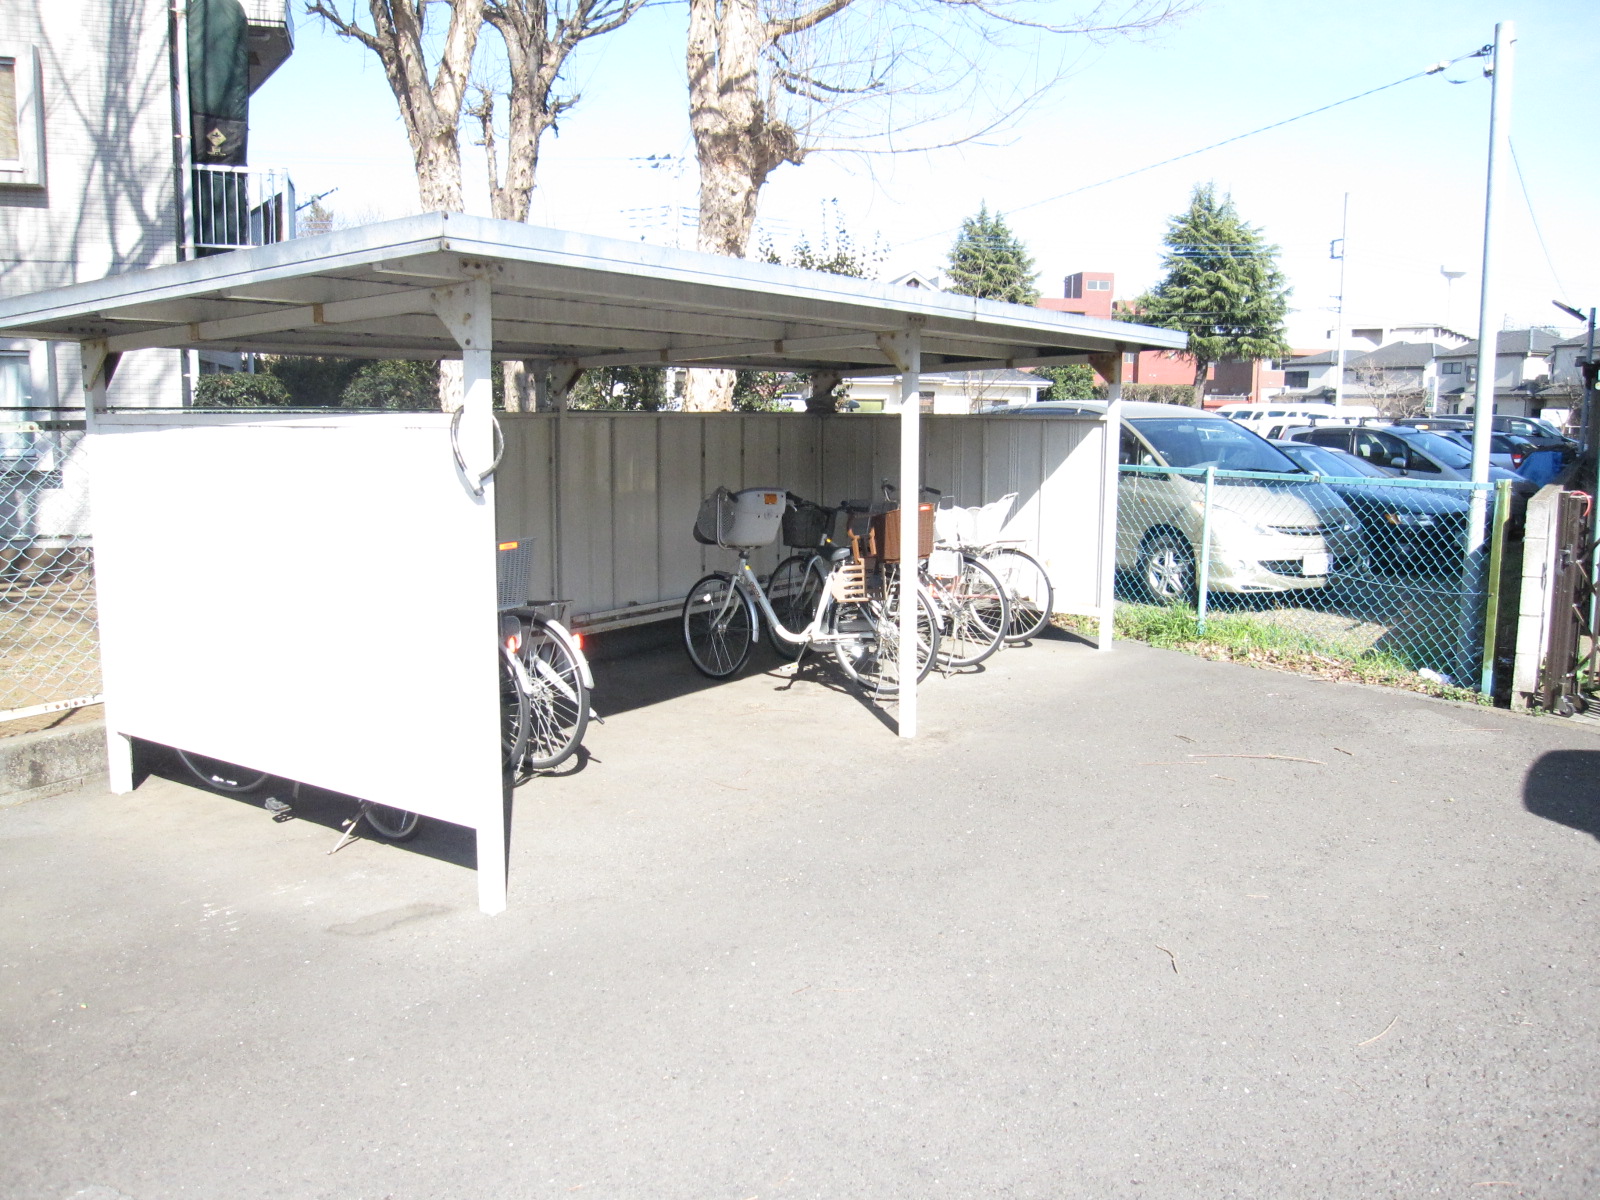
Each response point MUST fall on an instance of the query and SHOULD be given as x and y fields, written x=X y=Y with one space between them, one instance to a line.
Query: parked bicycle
x=841 y=604
x=391 y=824
x=976 y=532
x=545 y=680
x=973 y=607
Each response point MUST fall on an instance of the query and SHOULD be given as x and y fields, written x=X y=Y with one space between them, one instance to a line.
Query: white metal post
x=1111 y=451
x=910 y=501
x=465 y=311
x=1505 y=40
x=1338 y=356
x=98 y=366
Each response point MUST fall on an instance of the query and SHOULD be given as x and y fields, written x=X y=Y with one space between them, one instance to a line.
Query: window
x=1338 y=439
x=9 y=151
x=1450 y=368
x=21 y=128
x=1297 y=379
x=1099 y=285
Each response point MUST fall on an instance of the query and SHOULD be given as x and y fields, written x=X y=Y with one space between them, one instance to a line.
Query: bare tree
x=1393 y=391
x=430 y=108
x=539 y=35
x=771 y=81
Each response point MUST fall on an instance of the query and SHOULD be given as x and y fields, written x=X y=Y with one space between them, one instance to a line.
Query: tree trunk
x=737 y=144
x=1201 y=367
x=824 y=397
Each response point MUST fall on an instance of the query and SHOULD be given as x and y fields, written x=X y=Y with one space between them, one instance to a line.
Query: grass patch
x=1237 y=638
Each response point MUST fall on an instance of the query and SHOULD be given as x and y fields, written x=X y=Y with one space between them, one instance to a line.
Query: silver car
x=1267 y=535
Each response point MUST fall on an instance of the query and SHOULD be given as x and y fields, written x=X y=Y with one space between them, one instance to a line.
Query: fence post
x=1203 y=583
x=1491 y=608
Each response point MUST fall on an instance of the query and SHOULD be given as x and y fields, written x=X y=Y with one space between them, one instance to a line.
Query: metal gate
x=1569 y=664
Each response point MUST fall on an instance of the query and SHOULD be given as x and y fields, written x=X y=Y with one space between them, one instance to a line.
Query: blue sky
x=1412 y=157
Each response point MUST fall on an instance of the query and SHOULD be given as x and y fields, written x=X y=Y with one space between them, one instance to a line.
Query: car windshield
x=1330 y=462
x=1209 y=442
x=1451 y=454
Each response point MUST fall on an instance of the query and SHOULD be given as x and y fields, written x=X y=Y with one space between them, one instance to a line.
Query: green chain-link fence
x=1353 y=567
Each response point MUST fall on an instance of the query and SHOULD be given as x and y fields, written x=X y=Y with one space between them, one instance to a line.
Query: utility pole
x=1338 y=356
x=1475 y=559
x=1499 y=70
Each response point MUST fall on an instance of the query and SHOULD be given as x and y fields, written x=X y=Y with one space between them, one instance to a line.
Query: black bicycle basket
x=806 y=526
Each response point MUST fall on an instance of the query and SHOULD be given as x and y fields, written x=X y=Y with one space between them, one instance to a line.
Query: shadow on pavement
x=1564 y=786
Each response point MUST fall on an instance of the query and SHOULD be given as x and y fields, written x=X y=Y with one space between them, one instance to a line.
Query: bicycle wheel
x=718 y=626
x=869 y=652
x=793 y=591
x=223 y=776
x=391 y=824
x=513 y=712
x=558 y=706
x=1028 y=592
x=973 y=605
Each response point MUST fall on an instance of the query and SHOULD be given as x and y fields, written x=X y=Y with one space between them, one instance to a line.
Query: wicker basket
x=883 y=540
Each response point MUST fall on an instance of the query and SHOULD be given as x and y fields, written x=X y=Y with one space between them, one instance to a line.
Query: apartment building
x=123 y=140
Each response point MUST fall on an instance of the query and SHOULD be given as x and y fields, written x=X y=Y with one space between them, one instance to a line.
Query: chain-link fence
x=1354 y=569
x=49 y=648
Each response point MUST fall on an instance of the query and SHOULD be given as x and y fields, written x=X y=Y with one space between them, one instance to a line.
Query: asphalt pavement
x=1117 y=925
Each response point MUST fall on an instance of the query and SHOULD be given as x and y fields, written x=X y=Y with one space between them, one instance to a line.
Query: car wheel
x=1166 y=568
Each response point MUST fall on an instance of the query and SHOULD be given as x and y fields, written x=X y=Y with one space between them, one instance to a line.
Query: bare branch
x=342 y=27
x=794 y=25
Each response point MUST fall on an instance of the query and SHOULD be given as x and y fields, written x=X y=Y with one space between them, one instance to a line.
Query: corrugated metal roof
x=369 y=292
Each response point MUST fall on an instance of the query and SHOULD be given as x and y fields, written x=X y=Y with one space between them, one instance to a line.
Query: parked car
x=1505 y=450
x=1268 y=535
x=1408 y=453
x=1541 y=433
x=1420 y=529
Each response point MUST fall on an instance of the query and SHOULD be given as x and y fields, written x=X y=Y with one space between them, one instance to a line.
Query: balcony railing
x=236 y=207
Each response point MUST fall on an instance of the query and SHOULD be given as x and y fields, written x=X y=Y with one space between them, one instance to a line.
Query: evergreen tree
x=1223 y=287
x=1073 y=382
x=990 y=262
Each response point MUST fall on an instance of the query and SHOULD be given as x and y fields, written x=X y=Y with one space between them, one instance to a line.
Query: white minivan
x=1266 y=535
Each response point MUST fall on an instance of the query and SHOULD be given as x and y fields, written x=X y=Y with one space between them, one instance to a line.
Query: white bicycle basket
x=741 y=520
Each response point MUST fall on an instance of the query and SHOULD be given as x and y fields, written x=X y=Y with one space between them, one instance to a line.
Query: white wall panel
x=308 y=597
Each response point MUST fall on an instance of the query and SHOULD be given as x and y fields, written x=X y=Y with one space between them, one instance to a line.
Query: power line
x=1534 y=217
x=1433 y=70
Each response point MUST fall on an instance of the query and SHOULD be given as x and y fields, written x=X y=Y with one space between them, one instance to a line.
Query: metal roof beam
x=276 y=320
x=691 y=355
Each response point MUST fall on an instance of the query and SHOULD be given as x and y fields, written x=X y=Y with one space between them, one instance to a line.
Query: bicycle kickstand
x=350 y=829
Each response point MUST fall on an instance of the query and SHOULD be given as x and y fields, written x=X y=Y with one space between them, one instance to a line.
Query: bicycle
x=553 y=681
x=976 y=532
x=971 y=598
x=391 y=824
x=545 y=680
x=854 y=616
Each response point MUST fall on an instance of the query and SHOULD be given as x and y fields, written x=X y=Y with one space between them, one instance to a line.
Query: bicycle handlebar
x=890 y=490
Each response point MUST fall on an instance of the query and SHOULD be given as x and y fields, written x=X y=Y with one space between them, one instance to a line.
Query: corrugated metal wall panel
x=615 y=529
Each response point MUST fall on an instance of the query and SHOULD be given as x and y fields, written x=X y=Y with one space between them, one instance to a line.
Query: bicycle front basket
x=806 y=526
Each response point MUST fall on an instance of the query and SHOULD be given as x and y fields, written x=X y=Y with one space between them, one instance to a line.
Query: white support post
x=1110 y=367
x=98 y=367
x=465 y=312
x=905 y=351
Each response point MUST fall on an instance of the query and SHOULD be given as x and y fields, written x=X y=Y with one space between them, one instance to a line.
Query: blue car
x=1418 y=529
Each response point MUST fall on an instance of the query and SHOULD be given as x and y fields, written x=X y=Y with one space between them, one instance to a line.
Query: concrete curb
x=51 y=761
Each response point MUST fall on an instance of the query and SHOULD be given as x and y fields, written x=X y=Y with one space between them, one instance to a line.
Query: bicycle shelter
x=312 y=593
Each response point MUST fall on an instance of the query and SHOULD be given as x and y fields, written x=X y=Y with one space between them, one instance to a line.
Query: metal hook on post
x=461 y=461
